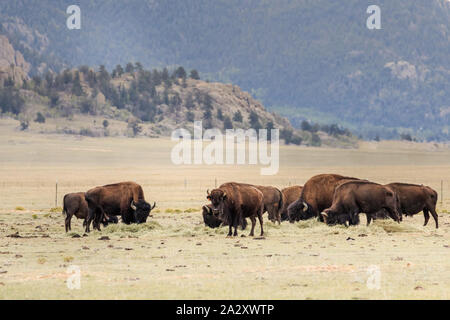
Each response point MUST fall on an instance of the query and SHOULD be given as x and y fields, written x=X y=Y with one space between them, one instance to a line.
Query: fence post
x=56 y=194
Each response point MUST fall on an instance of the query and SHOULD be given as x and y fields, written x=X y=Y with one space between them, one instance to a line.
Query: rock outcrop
x=12 y=63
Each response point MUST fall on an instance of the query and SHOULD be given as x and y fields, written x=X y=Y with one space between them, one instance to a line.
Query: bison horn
x=154 y=205
x=207 y=192
x=324 y=214
x=208 y=210
x=305 y=206
x=133 y=206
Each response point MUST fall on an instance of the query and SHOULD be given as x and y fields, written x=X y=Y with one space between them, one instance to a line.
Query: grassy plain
x=174 y=256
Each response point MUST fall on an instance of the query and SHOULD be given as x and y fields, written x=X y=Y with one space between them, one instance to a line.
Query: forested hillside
x=133 y=101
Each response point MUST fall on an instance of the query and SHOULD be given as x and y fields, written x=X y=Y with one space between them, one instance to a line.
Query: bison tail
x=281 y=202
x=64 y=210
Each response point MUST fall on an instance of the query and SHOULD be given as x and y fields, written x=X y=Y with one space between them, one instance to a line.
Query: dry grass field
x=173 y=256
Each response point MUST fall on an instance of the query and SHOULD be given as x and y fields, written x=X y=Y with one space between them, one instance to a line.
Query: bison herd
x=330 y=198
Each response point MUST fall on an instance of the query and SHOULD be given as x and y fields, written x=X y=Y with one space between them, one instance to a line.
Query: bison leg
x=435 y=217
x=276 y=215
x=235 y=226
x=253 y=219
x=91 y=213
x=67 y=222
x=260 y=217
x=369 y=218
x=426 y=216
x=98 y=219
x=230 y=228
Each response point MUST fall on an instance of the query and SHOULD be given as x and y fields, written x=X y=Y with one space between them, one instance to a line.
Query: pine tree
x=219 y=114
x=237 y=116
x=190 y=102
x=139 y=66
x=129 y=68
x=180 y=73
x=254 y=121
x=76 y=87
x=269 y=128
x=227 y=123
x=194 y=75
x=119 y=70
x=39 y=118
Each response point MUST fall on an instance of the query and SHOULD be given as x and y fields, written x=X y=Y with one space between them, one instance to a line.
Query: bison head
x=141 y=210
x=217 y=198
x=298 y=210
x=331 y=217
x=211 y=220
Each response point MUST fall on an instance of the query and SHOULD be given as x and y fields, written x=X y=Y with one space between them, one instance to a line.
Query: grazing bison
x=273 y=201
x=212 y=220
x=414 y=198
x=316 y=196
x=125 y=199
x=353 y=197
x=233 y=202
x=290 y=195
x=75 y=204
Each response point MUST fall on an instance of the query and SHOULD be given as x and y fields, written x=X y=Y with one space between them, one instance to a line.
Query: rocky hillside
x=13 y=66
x=132 y=101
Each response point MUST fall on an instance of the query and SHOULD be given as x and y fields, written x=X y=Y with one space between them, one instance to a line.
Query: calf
x=212 y=220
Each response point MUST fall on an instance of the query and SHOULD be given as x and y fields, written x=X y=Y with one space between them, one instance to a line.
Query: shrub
x=39 y=118
x=315 y=140
x=87 y=132
x=24 y=125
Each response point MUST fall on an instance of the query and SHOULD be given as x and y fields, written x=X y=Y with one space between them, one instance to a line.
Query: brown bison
x=414 y=198
x=212 y=220
x=125 y=199
x=290 y=195
x=354 y=197
x=316 y=196
x=233 y=202
x=75 y=204
x=273 y=201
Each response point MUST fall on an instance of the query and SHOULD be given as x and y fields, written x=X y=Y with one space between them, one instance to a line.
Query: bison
x=316 y=196
x=414 y=198
x=212 y=220
x=290 y=194
x=353 y=197
x=273 y=201
x=233 y=202
x=125 y=199
x=75 y=204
